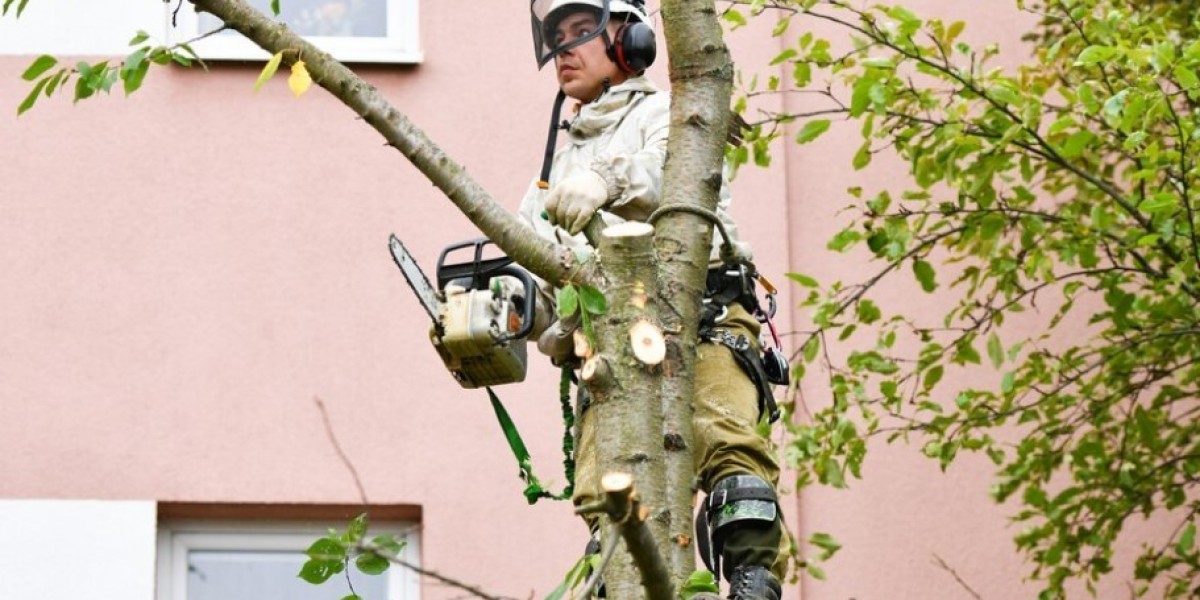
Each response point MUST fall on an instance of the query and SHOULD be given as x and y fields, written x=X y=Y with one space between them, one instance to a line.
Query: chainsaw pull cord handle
x=527 y=315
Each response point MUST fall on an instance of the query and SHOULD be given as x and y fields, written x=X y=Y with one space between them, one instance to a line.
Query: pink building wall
x=184 y=271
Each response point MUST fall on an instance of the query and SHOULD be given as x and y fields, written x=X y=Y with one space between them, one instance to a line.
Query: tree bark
x=626 y=409
x=701 y=75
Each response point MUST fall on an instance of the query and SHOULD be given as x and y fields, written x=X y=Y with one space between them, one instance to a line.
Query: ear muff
x=634 y=49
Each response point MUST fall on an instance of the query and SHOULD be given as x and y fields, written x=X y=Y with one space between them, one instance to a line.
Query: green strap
x=533 y=488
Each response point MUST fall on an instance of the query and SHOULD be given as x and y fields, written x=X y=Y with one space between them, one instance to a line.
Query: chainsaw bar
x=416 y=278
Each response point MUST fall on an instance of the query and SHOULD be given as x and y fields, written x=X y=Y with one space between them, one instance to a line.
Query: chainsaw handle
x=527 y=315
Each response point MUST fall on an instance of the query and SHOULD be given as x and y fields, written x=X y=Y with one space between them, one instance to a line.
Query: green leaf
x=815 y=572
x=1077 y=143
x=1186 y=78
x=860 y=97
x=843 y=240
x=1160 y=203
x=319 y=571
x=867 y=311
x=593 y=300
x=568 y=301
x=572 y=579
x=275 y=7
x=879 y=62
x=352 y=597
x=933 y=376
x=833 y=474
x=828 y=545
x=862 y=158
x=1095 y=54
x=27 y=103
x=786 y=55
x=192 y=53
x=388 y=545
x=268 y=70
x=803 y=280
x=735 y=18
x=371 y=563
x=357 y=528
x=326 y=548
x=699 y=582
x=133 y=80
x=139 y=38
x=1007 y=383
x=40 y=65
x=812 y=130
x=995 y=350
x=925 y=275
x=1187 y=540
x=802 y=74
x=811 y=347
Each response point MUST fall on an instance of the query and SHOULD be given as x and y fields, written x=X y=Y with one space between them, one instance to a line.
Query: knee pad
x=734 y=502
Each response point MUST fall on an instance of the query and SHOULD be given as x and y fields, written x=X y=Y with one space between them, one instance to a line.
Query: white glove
x=574 y=200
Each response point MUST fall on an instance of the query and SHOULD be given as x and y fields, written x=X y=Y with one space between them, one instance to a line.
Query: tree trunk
x=701 y=74
x=626 y=409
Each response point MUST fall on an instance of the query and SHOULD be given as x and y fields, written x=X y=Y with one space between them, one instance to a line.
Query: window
x=71 y=27
x=350 y=30
x=246 y=560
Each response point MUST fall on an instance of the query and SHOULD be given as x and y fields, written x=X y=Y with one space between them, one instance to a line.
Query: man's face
x=583 y=69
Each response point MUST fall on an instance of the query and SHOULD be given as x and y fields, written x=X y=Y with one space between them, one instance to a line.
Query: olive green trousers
x=726 y=443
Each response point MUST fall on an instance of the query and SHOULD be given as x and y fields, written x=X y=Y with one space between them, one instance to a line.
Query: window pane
x=228 y=575
x=336 y=18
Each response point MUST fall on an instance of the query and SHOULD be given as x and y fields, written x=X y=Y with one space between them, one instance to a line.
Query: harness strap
x=751 y=363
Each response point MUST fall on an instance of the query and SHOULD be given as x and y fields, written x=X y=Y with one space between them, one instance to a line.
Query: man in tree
x=612 y=167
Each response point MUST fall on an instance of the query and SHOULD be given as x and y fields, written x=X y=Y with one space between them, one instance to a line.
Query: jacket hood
x=600 y=114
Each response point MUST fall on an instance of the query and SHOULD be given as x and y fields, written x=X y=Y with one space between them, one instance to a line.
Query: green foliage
x=8 y=4
x=91 y=79
x=571 y=298
x=699 y=582
x=1069 y=182
x=331 y=554
x=575 y=576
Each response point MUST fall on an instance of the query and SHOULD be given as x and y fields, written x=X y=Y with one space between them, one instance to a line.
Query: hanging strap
x=533 y=486
x=551 y=140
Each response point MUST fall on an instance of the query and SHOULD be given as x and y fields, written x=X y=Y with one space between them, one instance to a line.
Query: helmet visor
x=560 y=25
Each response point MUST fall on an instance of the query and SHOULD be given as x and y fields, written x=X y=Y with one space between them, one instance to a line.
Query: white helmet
x=546 y=15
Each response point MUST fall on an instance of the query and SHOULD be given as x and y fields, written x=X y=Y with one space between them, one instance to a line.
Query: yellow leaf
x=300 y=79
x=268 y=71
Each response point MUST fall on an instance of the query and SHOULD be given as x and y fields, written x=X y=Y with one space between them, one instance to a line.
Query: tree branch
x=547 y=260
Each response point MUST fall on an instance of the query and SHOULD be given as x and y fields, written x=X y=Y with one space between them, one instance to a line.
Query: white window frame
x=177 y=537
x=401 y=45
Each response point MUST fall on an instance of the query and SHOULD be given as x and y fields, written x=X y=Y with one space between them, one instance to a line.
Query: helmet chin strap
x=551 y=139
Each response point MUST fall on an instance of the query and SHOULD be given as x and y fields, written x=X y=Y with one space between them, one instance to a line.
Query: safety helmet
x=633 y=48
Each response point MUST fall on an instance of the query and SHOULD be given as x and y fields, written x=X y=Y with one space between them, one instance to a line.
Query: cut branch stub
x=595 y=371
x=647 y=342
x=629 y=229
x=583 y=347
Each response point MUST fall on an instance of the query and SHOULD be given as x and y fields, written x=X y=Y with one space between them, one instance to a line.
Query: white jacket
x=622 y=135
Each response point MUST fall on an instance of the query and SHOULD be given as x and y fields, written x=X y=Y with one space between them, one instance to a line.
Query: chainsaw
x=482 y=309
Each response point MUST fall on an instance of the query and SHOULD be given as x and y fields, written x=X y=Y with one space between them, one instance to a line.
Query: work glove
x=558 y=340
x=574 y=200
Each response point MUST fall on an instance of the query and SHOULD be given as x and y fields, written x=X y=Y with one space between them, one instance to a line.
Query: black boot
x=753 y=583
